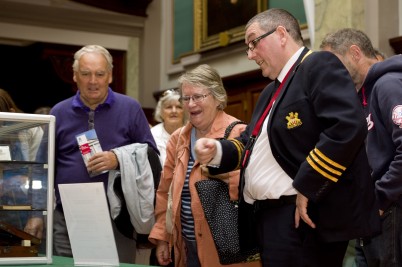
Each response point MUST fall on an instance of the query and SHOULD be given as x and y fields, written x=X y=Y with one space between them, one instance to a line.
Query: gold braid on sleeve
x=240 y=147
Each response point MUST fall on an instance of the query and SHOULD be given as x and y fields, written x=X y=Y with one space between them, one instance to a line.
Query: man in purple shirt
x=118 y=121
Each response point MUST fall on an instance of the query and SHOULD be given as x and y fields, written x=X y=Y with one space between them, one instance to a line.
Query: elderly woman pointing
x=204 y=98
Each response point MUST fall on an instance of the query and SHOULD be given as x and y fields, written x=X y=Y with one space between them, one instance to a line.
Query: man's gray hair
x=270 y=19
x=93 y=49
x=341 y=40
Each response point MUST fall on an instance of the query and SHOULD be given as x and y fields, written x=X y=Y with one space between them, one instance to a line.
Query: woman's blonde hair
x=206 y=76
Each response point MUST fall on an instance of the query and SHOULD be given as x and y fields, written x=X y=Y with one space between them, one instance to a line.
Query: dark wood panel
x=243 y=90
x=61 y=58
x=237 y=106
x=396 y=44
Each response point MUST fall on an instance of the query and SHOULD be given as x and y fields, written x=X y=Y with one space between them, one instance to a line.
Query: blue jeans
x=384 y=250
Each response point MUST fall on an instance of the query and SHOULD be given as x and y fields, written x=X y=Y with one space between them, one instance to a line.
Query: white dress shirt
x=264 y=177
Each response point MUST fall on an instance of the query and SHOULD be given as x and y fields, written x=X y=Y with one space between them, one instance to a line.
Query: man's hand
x=35 y=227
x=102 y=161
x=205 y=150
x=301 y=211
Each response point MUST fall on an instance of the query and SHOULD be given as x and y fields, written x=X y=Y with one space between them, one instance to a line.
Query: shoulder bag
x=222 y=217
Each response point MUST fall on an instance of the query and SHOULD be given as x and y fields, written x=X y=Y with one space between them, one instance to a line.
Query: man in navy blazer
x=302 y=157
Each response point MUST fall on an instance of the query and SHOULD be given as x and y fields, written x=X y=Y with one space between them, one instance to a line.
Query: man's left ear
x=355 y=52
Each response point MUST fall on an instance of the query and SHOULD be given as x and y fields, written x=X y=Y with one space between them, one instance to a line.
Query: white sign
x=89 y=224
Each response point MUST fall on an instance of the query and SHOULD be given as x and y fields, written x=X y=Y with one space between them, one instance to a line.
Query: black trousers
x=282 y=245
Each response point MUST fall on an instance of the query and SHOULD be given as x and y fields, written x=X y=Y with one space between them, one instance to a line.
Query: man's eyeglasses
x=196 y=98
x=252 y=44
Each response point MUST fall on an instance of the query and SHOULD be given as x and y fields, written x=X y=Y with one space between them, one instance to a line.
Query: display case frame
x=11 y=126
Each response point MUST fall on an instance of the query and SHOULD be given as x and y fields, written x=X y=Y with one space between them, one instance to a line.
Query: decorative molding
x=71 y=16
x=191 y=59
x=136 y=8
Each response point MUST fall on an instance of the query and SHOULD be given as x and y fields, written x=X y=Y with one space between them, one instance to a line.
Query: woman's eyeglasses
x=196 y=98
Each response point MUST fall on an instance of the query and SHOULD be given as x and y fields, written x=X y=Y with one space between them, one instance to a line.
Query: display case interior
x=26 y=188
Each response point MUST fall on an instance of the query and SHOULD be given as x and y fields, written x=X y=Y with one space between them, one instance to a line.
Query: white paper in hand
x=89 y=145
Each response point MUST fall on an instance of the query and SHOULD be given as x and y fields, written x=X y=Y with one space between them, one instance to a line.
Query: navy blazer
x=316 y=131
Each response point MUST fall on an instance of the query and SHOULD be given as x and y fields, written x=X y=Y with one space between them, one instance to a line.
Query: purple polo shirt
x=119 y=121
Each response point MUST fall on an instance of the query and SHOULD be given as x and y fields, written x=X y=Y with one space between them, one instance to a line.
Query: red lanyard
x=364 y=100
x=259 y=123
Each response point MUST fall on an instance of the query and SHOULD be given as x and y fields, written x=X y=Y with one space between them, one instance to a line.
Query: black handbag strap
x=230 y=127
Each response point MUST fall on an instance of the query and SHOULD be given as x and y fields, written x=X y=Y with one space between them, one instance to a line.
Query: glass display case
x=26 y=188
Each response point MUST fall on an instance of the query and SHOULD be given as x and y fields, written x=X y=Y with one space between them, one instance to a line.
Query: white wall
x=383 y=22
x=151 y=54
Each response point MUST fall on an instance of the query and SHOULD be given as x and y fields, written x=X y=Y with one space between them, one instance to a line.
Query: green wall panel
x=183 y=22
x=183 y=41
x=295 y=7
